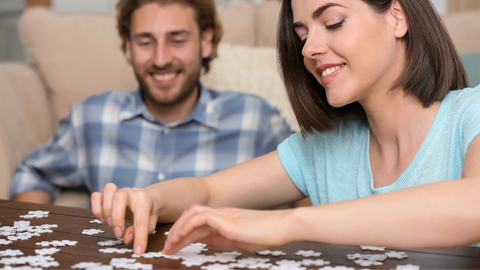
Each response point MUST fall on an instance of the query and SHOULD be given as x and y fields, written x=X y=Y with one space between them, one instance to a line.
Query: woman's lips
x=329 y=72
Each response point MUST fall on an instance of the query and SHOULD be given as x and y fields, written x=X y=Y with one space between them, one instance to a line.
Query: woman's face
x=354 y=52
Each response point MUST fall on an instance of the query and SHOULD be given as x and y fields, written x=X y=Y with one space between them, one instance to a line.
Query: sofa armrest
x=25 y=118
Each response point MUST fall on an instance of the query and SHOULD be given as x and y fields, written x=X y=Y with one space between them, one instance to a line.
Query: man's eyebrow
x=317 y=13
x=179 y=32
x=150 y=35
x=143 y=35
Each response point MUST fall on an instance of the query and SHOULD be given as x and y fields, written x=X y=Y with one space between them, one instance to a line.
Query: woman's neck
x=399 y=124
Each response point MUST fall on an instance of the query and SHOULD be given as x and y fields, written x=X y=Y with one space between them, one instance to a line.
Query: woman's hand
x=111 y=207
x=249 y=230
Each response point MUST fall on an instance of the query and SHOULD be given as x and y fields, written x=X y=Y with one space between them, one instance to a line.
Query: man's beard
x=186 y=88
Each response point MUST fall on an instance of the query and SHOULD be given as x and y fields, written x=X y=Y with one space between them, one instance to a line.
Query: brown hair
x=432 y=66
x=206 y=16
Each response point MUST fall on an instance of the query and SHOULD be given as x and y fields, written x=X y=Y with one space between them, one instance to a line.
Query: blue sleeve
x=288 y=157
x=277 y=130
x=471 y=117
x=50 y=166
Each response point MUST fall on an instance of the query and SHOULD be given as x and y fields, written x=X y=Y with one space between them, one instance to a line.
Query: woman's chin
x=337 y=103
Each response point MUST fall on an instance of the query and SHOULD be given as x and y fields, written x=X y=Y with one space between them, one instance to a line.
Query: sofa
x=75 y=55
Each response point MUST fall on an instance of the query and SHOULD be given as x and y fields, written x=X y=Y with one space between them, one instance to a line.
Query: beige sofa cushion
x=267 y=21
x=25 y=118
x=250 y=70
x=464 y=28
x=239 y=22
x=77 y=55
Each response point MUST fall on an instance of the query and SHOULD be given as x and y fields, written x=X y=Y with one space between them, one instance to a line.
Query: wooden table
x=72 y=221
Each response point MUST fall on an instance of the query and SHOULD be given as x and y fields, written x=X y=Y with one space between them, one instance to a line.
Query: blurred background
x=74 y=52
x=10 y=10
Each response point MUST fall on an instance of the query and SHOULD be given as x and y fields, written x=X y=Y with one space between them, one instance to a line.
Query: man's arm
x=34 y=196
x=276 y=130
x=47 y=168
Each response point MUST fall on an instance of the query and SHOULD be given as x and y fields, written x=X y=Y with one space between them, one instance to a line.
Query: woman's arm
x=437 y=215
x=260 y=183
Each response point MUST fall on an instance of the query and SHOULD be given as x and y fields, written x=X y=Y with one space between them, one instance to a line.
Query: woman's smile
x=329 y=72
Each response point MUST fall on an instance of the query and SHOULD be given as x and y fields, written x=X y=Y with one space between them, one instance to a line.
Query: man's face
x=166 y=51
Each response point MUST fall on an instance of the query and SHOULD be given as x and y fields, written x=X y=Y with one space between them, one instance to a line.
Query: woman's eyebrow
x=317 y=13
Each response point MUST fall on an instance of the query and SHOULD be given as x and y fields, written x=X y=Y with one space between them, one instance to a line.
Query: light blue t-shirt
x=335 y=165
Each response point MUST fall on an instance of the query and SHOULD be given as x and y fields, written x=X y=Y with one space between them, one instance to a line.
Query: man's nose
x=163 y=55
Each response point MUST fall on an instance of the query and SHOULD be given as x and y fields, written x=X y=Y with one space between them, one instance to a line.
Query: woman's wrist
x=295 y=221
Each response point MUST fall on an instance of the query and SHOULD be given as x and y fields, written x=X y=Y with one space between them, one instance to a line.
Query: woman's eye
x=335 y=26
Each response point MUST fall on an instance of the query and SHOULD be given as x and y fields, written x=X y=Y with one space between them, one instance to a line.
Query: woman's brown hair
x=206 y=16
x=432 y=66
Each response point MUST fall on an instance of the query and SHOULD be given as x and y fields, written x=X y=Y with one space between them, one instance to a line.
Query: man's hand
x=34 y=196
x=110 y=208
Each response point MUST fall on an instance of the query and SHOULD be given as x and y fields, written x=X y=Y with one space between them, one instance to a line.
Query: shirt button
x=161 y=177
x=166 y=130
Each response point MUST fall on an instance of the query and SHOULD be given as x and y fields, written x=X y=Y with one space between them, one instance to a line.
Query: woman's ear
x=401 y=24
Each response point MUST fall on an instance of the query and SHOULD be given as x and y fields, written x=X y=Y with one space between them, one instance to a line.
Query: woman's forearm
x=174 y=197
x=442 y=214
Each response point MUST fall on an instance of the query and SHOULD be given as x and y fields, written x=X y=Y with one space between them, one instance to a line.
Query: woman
x=369 y=82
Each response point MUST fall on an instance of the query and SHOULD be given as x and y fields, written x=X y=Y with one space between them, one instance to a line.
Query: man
x=171 y=127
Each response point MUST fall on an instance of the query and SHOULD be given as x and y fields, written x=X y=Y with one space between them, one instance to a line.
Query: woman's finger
x=120 y=203
x=199 y=233
x=177 y=230
x=141 y=220
x=108 y=193
x=197 y=226
x=97 y=209
x=129 y=235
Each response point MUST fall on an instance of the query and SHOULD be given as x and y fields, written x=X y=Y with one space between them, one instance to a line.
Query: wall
x=84 y=5
x=463 y=5
x=10 y=46
x=441 y=6
x=108 y=5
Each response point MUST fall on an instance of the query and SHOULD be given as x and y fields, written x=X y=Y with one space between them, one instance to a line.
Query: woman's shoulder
x=461 y=107
x=341 y=132
x=464 y=97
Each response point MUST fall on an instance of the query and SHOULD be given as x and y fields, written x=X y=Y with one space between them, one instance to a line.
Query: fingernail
x=109 y=221
x=117 y=231
x=138 y=249
x=129 y=238
x=102 y=220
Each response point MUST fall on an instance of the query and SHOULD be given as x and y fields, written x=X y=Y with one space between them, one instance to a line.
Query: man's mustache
x=169 y=67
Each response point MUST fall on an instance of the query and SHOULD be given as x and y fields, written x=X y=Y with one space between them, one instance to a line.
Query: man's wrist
x=34 y=196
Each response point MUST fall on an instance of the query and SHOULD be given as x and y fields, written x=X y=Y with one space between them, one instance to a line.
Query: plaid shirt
x=113 y=137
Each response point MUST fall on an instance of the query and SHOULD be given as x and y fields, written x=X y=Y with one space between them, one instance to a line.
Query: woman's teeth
x=329 y=71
